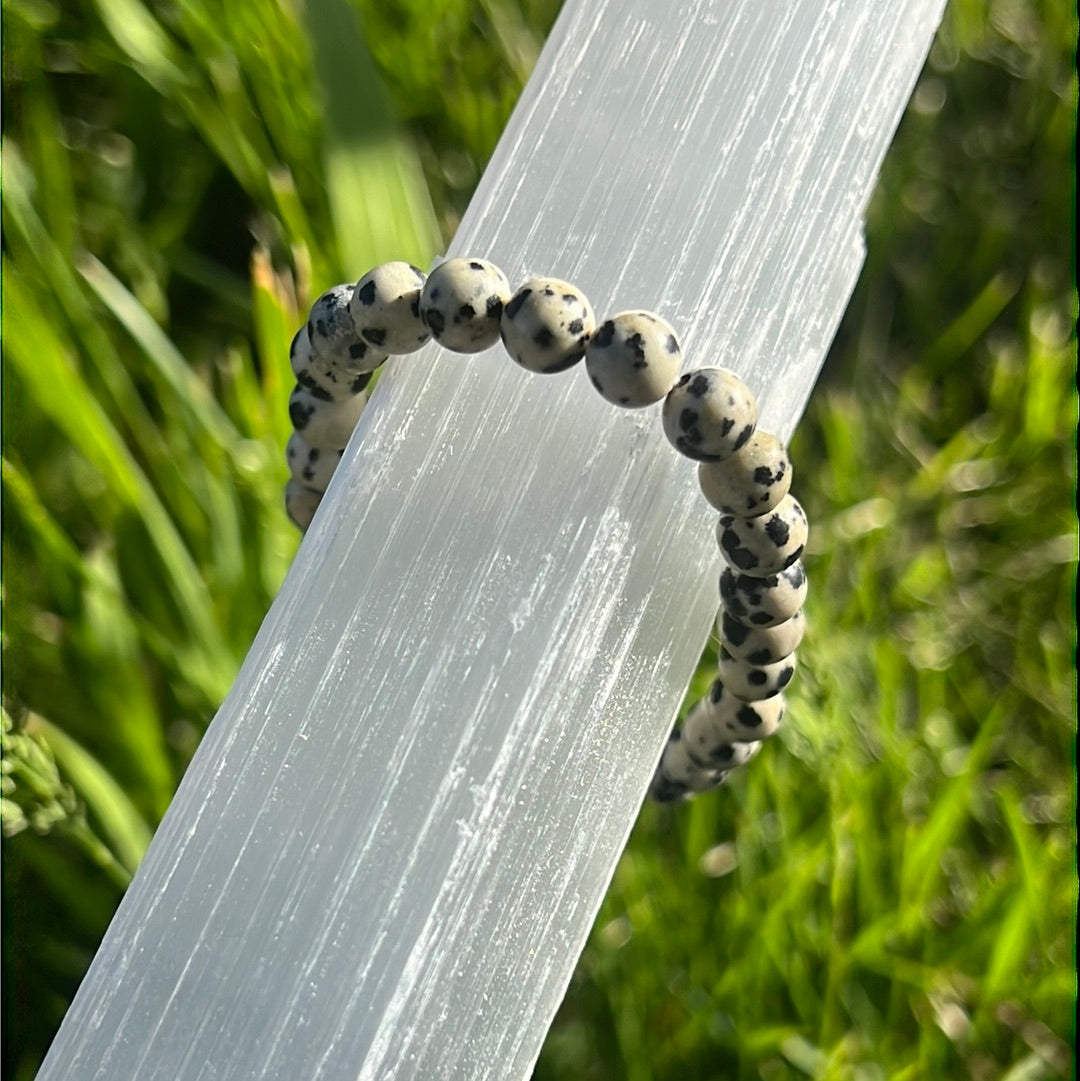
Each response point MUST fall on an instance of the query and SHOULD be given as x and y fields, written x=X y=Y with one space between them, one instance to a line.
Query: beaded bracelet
x=633 y=360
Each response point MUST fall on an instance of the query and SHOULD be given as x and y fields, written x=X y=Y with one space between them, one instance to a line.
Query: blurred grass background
x=890 y=892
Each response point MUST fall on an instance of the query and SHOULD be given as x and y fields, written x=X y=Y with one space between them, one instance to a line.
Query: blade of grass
x=123 y=829
x=378 y=195
x=61 y=394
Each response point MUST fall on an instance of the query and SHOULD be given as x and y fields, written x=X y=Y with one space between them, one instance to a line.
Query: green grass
x=889 y=892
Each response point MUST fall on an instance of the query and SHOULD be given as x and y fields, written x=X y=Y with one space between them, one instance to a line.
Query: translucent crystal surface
x=387 y=854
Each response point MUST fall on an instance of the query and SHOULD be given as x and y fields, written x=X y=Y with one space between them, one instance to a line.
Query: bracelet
x=633 y=360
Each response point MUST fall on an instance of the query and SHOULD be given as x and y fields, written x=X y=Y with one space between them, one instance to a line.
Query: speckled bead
x=709 y=414
x=633 y=359
x=325 y=378
x=761 y=645
x=709 y=747
x=301 y=503
x=753 y=682
x=750 y=482
x=664 y=790
x=546 y=324
x=331 y=332
x=737 y=721
x=764 y=602
x=325 y=424
x=385 y=308
x=767 y=544
x=462 y=304
x=309 y=465
x=679 y=766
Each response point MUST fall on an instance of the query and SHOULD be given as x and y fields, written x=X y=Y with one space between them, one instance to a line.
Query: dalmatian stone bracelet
x=633 y=360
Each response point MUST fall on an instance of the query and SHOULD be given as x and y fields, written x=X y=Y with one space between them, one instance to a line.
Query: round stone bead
x=331 y=332
x=385 y=308
x=663 y=790
x=325 y=378
x=750 y=482
x=767 y=544
x=325 y=424
x=546 y=324
x=633 y=359
x=764 y=602
x=679 y=766
x=709 y=746
x=309 y=465
x=709 y=414
x=737 y=721
x=301 y=504
x=462 y=304
x=753 y=682
x=761 y=645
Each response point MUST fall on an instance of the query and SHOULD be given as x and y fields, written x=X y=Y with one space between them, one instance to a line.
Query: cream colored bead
x=633 y=359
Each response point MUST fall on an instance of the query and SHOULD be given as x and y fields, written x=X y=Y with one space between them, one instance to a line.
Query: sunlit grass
x=889 y=891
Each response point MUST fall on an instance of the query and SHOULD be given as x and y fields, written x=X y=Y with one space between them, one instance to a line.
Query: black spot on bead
x=716 y=692
x=307 y=381
x=671 y=345
x=727 y=425
x=366 y=293
x=636 y=344
x=785 y=677
x=757 y=677
x=723 y=753
x=359 y=383
x=435 y=321
x=358 y=350
x=300 y=414
x=760 y=656
x=700 y=385
x=544 y=338
x=375 y=335
x=734 y=631
x=778 y=531
x=748 y=717
x=474 y=265
x=761 y=618
x=465 y=314
x=605 y=335
x=494 y=307
x=516 y=302
x=744 y=435
x=688 y=420
x=736 y=554
x=664 y=791
x=763 y=475
x=688 y=445
x=576 y=326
